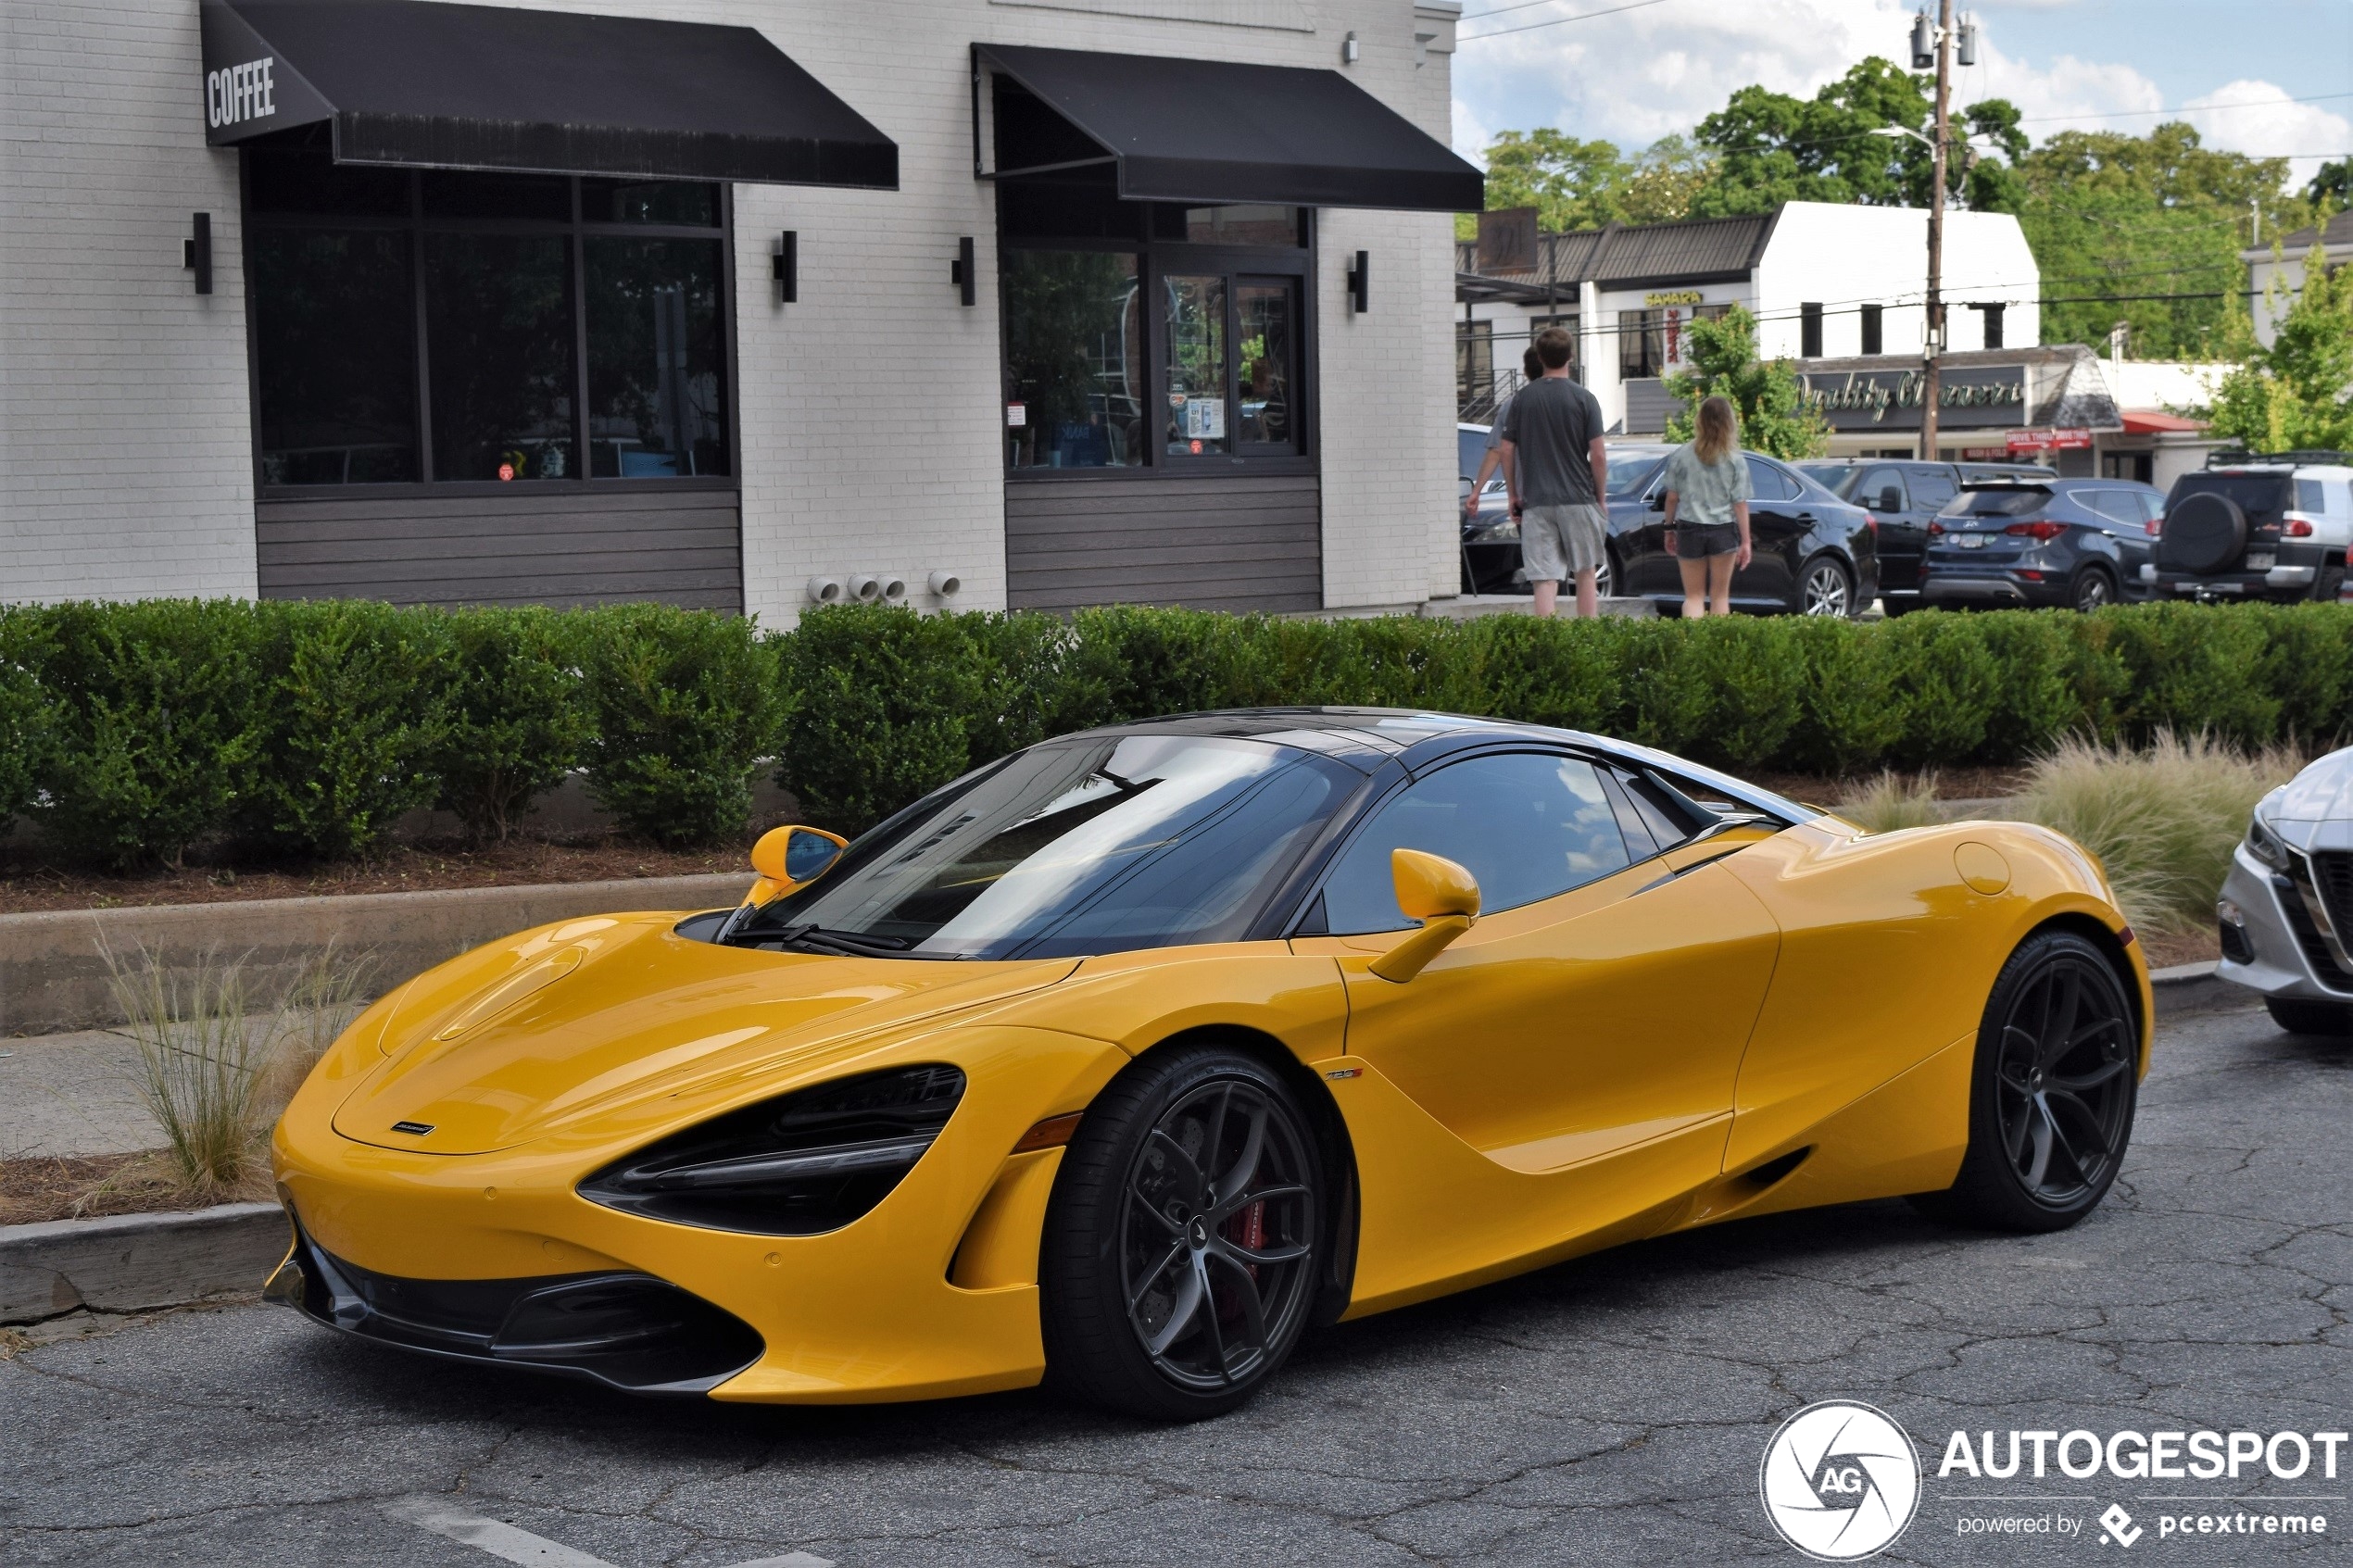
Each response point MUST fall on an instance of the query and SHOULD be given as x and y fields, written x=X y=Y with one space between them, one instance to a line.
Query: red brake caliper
x=1247 y=1228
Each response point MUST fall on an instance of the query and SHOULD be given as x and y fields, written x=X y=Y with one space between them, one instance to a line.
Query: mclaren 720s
x=1122 y=1061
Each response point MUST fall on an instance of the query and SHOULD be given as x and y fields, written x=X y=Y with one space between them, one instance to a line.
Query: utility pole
x=1931 y=375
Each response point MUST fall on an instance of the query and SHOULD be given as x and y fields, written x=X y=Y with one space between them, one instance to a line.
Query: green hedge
x=130 y=732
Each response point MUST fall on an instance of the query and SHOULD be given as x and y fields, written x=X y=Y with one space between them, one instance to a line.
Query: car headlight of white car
x=2265 y=845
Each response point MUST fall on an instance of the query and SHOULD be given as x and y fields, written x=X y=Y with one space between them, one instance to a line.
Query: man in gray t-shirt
x=1551 y=434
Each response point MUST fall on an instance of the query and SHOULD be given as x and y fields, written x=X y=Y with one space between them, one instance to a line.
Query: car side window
x=1527 y=824
x=2117 y=506
x=1769 y=483
x=1931 y=490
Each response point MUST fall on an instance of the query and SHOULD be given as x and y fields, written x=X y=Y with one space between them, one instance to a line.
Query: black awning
x=1208 y=131
x=427 y=84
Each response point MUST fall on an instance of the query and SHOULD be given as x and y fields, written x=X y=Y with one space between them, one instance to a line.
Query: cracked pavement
x=1610 y=1409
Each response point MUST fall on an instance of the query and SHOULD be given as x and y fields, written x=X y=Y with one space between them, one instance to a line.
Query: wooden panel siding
x=1246 y=543
x=684 y=548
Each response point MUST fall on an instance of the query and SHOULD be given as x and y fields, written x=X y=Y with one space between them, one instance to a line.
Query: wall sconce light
x=962 y=273
x=195 y=253
x=1348 y=50
x=1360 y=288
x=824 y=590
x=786 y=265
x=946 y=585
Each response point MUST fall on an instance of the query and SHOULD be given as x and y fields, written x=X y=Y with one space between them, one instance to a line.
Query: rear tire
x=2329 y=1020
x=1180 y=1256
x=2093 y=588
x=1825 y=588
x=2052 y=1091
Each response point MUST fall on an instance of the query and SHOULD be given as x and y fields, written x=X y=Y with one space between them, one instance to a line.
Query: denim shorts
x=1699 y=541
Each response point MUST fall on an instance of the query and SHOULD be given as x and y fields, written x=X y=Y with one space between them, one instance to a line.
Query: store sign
x=240 y=93
x=1989 y=396
x=1672 y=297
x=1507 y=240
x=2048 y=439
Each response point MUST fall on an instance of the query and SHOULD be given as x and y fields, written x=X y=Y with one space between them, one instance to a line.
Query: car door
x=1882 y=492
x=1778 y=524
x=1931 y=487
x=1583 y=1037
x=2123 y=526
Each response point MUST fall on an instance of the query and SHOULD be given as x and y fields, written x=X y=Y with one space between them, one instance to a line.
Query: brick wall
x=870 y=407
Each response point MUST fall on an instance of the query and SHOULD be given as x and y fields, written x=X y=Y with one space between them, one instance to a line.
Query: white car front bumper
x=2290 y=949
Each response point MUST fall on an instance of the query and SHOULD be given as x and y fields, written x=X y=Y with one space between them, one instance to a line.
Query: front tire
x=2052 y=1091
x=1180 y=1254
x=2300 y=1017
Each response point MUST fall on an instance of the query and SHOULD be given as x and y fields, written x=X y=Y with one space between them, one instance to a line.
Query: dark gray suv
x=1904 y=496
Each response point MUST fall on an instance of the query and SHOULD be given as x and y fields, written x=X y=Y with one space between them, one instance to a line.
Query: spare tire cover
x=2203 y=533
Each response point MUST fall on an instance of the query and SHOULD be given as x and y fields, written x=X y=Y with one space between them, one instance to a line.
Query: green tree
x=2294 y=394
x=1666 y=178
x=1773 y=147
x=1571 y=184
x=2333 y=184
x=2114 y=219
x=1775 y=415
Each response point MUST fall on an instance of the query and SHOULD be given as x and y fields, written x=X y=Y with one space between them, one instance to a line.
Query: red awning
x=2150 y=422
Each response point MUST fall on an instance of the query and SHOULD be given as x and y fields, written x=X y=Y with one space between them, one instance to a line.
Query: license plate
x=2260 y=561
x=1971 y=541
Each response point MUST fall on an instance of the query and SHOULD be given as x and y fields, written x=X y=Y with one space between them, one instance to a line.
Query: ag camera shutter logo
x=1841 y=1481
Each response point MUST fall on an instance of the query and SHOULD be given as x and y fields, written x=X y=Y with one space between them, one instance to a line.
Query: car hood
x=2322 y=793
x=532 y=1035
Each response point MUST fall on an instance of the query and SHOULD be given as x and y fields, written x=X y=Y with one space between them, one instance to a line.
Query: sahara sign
x=1991 y=395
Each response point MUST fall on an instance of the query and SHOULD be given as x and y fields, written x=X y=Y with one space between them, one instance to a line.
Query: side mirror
x=788 y=858
x=1439 y=894
x=1890 y=500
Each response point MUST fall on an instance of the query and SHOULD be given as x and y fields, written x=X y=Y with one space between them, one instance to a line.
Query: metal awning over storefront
x=1211 y=130
x=424 y=84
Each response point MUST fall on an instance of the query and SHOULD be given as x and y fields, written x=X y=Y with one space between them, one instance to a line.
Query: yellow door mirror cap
x=794 y=854
x=1429 y=886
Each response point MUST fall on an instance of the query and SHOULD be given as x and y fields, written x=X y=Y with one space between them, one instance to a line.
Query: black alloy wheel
x=1180 y=1255
x=2094 y=587
x=1825 y=589
x=2052 y=1092
x=2297 y=1016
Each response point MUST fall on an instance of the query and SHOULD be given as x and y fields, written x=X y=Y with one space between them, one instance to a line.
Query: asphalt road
x=1610 y=1410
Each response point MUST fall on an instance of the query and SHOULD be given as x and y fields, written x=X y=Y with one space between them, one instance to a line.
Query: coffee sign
x=1992 y=396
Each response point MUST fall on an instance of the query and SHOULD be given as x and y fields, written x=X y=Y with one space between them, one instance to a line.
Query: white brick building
x=609 y=401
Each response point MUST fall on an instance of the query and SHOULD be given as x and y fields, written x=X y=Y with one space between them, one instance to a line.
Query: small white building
x=1823 y=281
x=2276 y=278
x=728 y=303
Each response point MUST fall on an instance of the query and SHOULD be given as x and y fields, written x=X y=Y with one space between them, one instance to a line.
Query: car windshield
x=1093 y=845
x=1630 y=473
x=2009 y=500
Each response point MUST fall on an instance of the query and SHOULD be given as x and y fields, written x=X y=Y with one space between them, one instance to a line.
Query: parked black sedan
x=1491 y=534
x=2077 y=543
x=1813 y=554
x=1905 y=494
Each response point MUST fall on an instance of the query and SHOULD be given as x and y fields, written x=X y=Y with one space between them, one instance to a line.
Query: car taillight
x=2156 y=525
x=2045 y=532
x=1934 y=529
x=2297 y=527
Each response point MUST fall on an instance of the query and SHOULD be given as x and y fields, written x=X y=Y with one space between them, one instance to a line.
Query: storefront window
x=1142 y=335
x=385 y=298
x=657 y=391
x=1195 y=310
x=1266 y=314
x=1073 y=359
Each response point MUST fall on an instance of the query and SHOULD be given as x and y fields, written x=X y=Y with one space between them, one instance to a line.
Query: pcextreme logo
x=1840 y=1481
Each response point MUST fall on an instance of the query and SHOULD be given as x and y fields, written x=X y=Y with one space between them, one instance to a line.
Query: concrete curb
x=136 y=1262
x=2194 y=987
x=51 y=978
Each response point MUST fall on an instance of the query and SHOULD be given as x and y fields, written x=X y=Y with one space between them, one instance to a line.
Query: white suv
x=2272 y=527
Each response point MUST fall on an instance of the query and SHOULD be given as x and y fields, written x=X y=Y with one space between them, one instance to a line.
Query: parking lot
x=1613 y=1410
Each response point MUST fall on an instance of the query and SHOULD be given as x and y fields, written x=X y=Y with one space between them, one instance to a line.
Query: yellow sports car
x=1122 y=1059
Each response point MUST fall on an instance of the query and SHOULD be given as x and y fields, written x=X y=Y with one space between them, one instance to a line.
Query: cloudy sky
x=2233 y=68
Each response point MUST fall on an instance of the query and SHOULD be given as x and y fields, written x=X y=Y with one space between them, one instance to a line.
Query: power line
x=1555 y=21
x=2187 y=110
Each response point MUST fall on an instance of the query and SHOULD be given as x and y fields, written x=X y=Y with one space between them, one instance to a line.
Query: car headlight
x=2265 y=845
x=805 y=1162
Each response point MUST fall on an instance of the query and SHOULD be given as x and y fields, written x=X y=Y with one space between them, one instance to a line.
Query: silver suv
x=2274 y=527
x=2286 y=910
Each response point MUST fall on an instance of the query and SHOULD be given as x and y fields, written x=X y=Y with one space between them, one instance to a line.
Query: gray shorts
x=1555 y=543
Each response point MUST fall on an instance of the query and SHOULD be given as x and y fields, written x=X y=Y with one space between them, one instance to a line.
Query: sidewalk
x=72 y=1095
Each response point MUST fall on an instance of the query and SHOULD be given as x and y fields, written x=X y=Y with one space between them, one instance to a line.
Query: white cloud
x=2256 y=117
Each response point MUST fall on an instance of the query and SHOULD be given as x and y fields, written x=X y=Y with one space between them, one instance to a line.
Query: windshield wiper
x=817 y=938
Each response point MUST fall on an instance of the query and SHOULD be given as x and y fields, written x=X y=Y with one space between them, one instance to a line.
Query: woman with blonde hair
x=1707 y=496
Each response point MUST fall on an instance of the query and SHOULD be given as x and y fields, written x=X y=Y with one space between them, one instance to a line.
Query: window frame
x=1157 y=259
x=416 y=224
